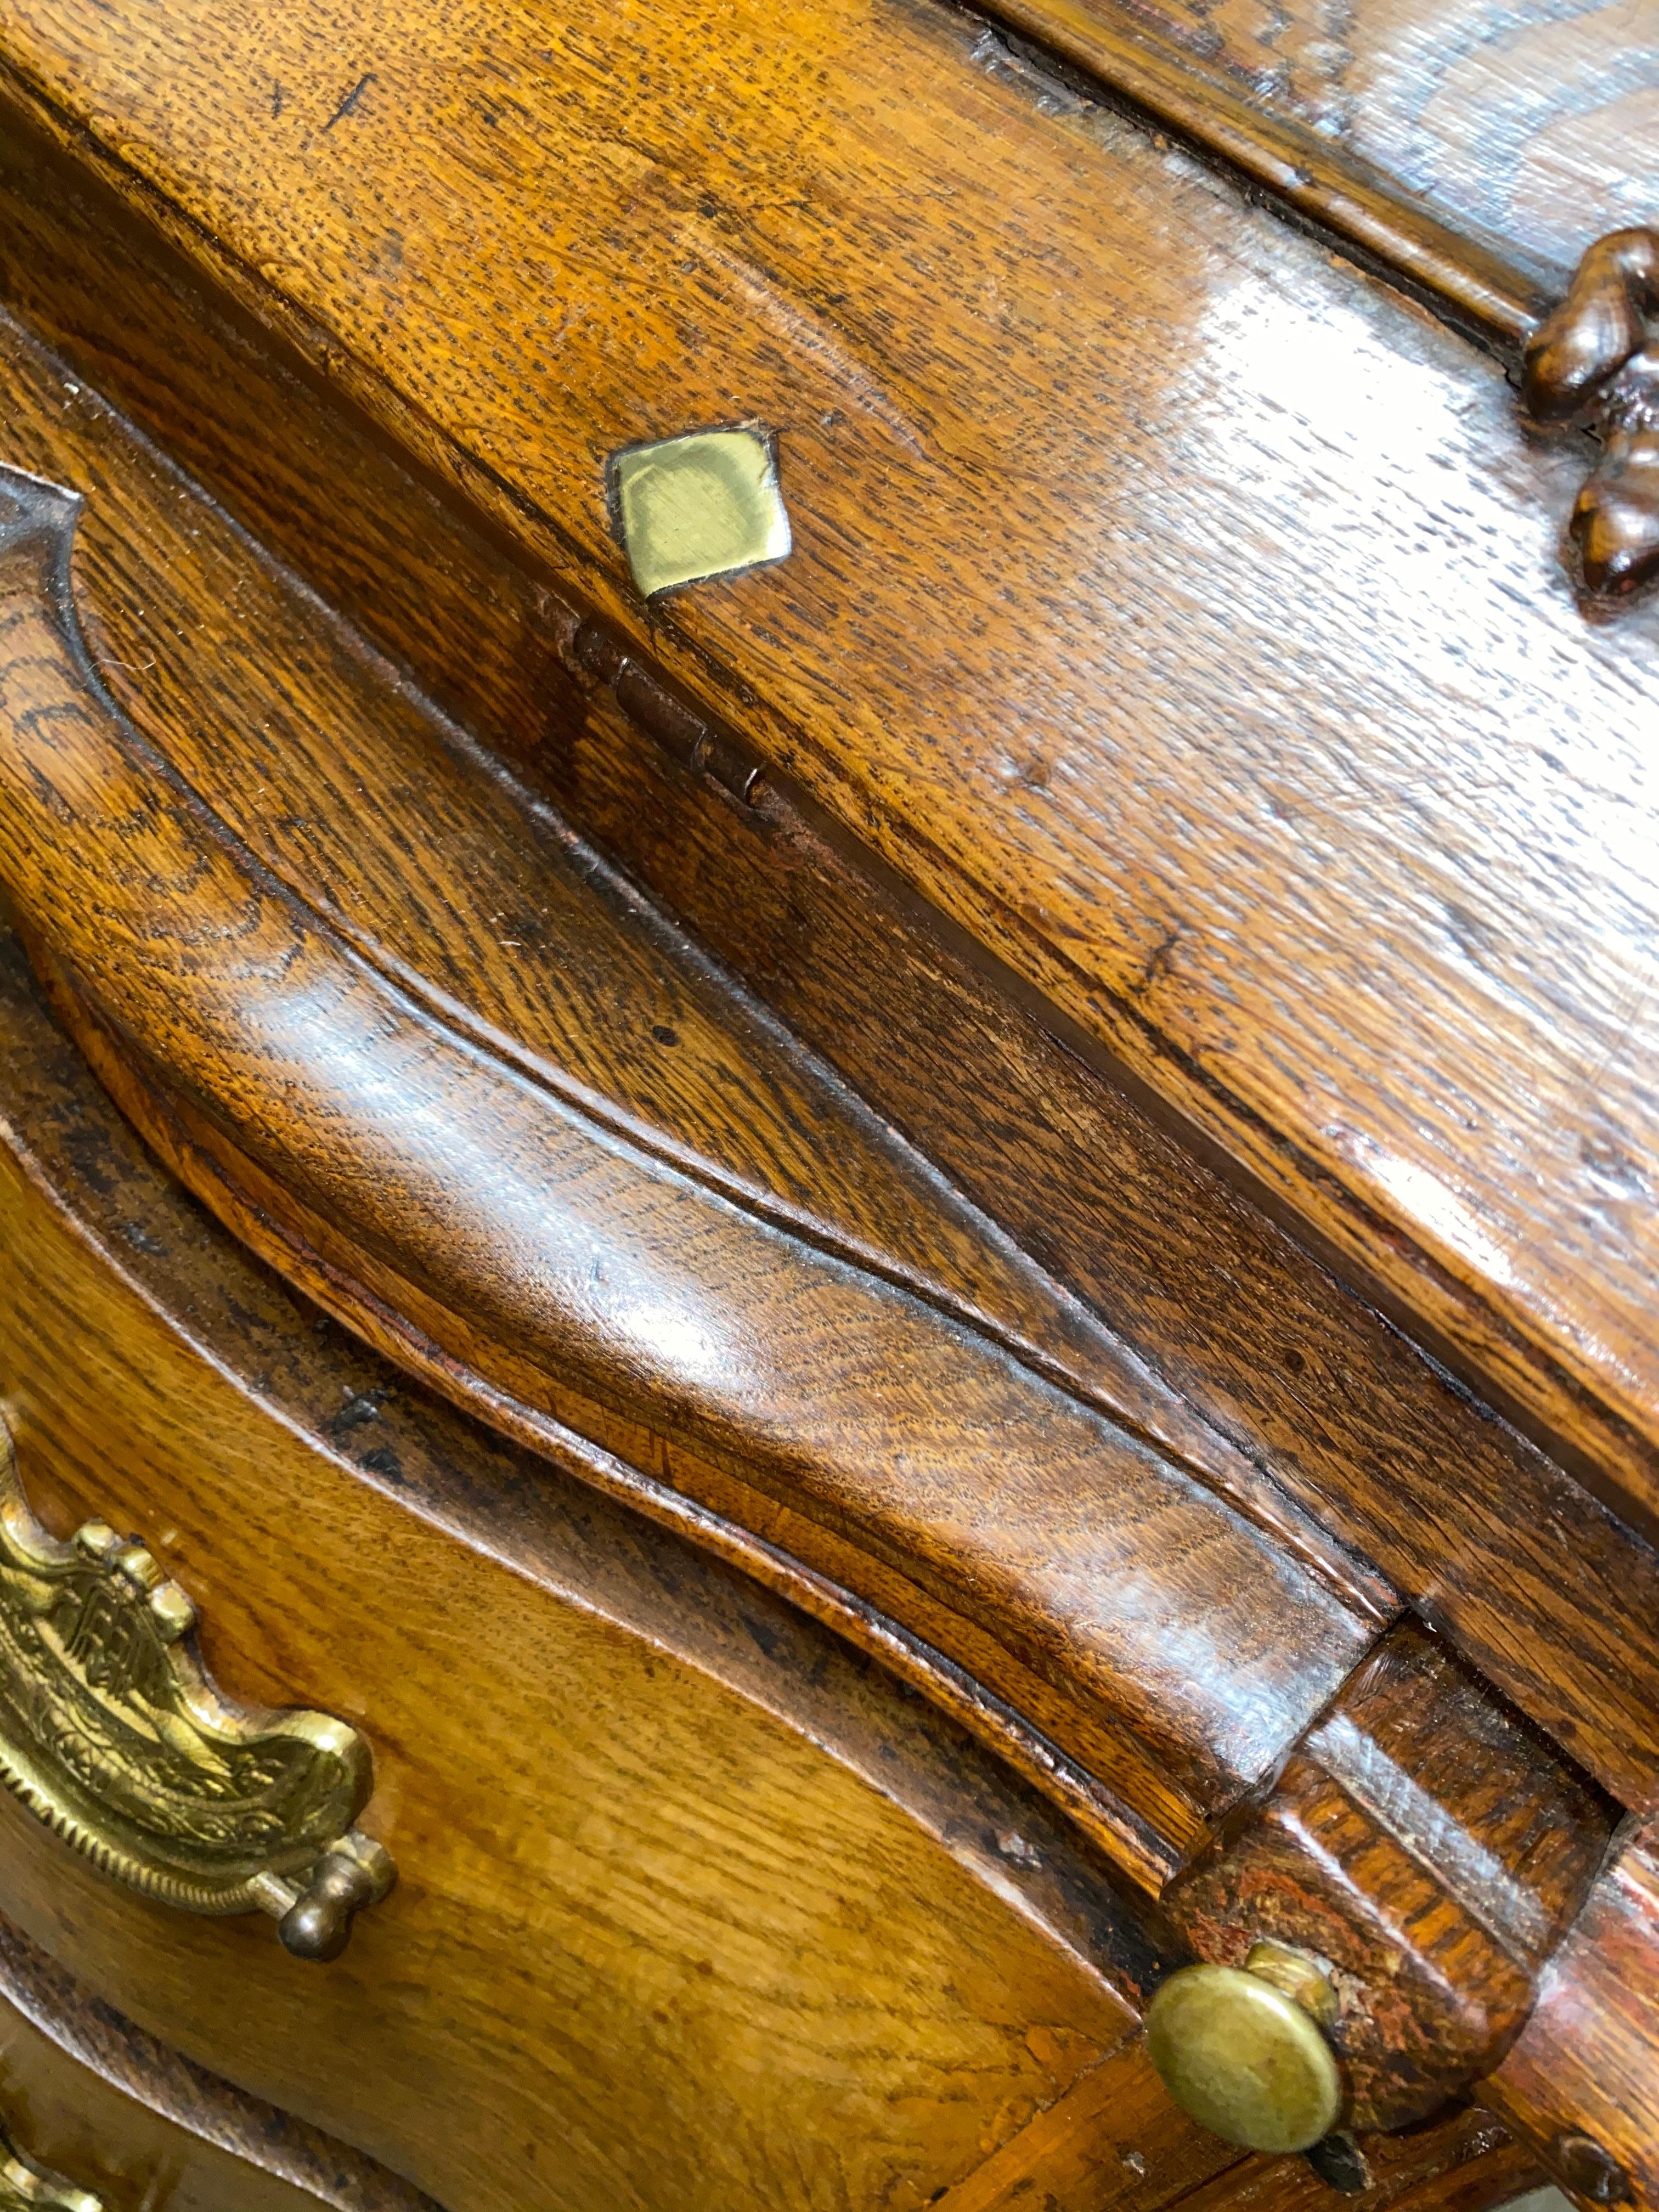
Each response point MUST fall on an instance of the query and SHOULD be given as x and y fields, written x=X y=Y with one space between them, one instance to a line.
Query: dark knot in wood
x=1594 y=362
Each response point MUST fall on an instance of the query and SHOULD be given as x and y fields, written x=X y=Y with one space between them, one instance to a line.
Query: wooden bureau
x=828 y=1375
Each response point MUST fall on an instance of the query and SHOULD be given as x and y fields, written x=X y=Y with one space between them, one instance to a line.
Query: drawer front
x=109 y=2120
x=674 y=1923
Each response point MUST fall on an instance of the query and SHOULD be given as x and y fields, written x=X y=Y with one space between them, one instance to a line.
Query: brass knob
x=1243 y=2052
x=357 y=1872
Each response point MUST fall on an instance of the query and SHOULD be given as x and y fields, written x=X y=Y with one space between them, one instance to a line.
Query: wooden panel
x=696 y=1907
x=90 y=2095
x=1533 y=1580
x=1475 y=150
x=1583 y=2080
x=510 y=1230
x=1159 y=752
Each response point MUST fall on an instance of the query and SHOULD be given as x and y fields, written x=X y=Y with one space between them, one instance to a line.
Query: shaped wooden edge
x=69 y=196
x=1115 y=2136
x=571 y=1285
x=1356 y=207
x=117 y=2060
x=552 y=1275
x=1582 y=2081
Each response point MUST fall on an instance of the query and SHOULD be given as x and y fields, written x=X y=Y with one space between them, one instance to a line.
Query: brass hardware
x=26 y=2187
x=1242 y=2050
x=698 y=507
x=1297 y=1976
x=112 y=1734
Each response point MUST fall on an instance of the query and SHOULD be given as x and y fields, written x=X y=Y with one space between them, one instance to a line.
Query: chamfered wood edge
x=130 y=2061
x=578 y=1522
x=1516 y=1374
x=1342 y=200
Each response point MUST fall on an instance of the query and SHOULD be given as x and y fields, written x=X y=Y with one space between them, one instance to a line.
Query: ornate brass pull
x=112 y=1734
x=26 y=2187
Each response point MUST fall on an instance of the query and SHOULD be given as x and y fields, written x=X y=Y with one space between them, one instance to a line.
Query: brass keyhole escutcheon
x=1242 y=2050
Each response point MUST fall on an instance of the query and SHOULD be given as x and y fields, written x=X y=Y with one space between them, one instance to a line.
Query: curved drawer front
x=675 y=1925
x=98 y=2117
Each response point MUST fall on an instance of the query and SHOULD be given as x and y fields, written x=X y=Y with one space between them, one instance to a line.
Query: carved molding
x=1595 y=364
x=1064 y=1531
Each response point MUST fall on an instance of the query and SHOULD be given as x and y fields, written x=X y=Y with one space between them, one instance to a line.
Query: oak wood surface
x=1583 y=2079
x=1091 y=2150
x=515 y=1244
x=1535 y=1580
x=1170 y=765
x=696 y=1907
x=1494 y=1794
x=1459 y=2165
x=89 y=2094
x=1476 y=150
x=1432 y=1849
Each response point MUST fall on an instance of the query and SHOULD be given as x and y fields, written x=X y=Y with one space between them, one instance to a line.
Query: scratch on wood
x=349 y=105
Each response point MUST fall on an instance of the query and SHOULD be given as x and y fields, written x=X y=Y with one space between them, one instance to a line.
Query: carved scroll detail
x=1594 y=362
x=114 y=1735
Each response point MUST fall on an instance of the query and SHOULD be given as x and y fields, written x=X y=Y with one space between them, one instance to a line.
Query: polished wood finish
x=696 y=1906
x=526 y=1244
x=1592 y=362
x=1437 y=1941
x=1432 y=1851
x=1463 y=2164
x=1170 y=689
x=1382 y=1095
x=141 y=2128
x=1473 y=153
x=1535 y=1582
x=1101 y=2148
x=1583 y=2080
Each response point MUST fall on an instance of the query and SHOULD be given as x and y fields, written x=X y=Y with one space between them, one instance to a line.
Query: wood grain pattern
x=1099 y=2147
x=1019 y=742
x=1465 y=2163
x=1533 y=1580
x=146 y=2131
x=1583 y=2080
x=1430 y=1847
x=697 y=1906
x=515 y=1243
x=1496 y=143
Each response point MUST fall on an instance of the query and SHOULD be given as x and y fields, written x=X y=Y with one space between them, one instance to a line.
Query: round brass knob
x=1242 y=2056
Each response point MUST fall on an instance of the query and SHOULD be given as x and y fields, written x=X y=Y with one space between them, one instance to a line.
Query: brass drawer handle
x=26 y=2187
x=114 y=1735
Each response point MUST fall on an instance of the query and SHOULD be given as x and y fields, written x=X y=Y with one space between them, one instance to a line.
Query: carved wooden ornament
x=1595 y=362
